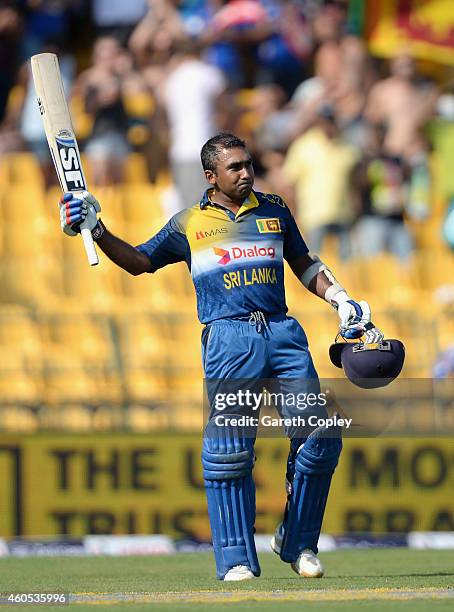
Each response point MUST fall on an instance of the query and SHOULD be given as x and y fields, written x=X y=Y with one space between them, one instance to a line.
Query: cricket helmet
x=370 y=363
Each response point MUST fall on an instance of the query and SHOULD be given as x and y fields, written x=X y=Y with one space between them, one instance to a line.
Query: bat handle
x=89 y=245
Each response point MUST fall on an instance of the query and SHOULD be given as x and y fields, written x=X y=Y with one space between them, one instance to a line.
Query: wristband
x=336 y=295
x=98 y=231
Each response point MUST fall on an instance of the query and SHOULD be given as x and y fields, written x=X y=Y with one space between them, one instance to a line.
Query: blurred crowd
x=344 y=137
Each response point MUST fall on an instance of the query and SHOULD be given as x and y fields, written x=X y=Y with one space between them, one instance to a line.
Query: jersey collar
x=248 y=204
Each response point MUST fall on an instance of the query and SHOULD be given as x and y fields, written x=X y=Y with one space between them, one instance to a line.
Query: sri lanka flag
x=424 y=27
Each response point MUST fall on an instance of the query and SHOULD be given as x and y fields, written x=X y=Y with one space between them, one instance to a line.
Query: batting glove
x=354 y=316
x=75 y=210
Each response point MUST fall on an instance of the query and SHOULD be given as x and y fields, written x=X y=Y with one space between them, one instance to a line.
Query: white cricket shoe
x=307 y=564
x=239 y=572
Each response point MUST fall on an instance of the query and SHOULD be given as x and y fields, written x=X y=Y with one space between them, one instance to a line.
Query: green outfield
x=375 y=579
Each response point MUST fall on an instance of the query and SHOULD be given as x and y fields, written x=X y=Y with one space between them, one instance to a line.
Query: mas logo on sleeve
x=269 y=226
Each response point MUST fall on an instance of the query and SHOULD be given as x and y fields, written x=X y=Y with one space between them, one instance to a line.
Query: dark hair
x=211 y=149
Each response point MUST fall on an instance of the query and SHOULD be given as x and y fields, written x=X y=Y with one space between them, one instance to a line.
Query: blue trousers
x=237 y=355
x=236 y=349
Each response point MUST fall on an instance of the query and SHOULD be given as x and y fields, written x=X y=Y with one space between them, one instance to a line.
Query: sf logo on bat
x=70 y=161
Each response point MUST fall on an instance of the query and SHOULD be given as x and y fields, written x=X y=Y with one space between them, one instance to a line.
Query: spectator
x=323 y=88
x=158 y=33
x=441 y=131
x=101 y=88
x=319 y=165
x=382 y=182
x=444 y=364
x=281 y=57
x=118 y=18
x=192 y=94
x=48 y=20
x=403 y=104
x=10 y=30
x=329 y=20
x=355 y=81
x=234 y=34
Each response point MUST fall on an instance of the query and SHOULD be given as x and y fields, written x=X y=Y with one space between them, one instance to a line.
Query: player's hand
x=75 y=210
x=354 y=317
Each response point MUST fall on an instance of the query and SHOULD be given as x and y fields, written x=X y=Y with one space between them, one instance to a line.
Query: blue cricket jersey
x=236 y=261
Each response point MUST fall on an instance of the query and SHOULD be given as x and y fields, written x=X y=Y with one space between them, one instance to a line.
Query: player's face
x=234 y=175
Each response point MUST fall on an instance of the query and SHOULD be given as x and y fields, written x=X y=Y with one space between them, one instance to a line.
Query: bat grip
x=89 y=245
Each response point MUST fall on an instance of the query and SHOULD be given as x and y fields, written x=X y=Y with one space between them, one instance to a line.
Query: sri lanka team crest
x=268 y=226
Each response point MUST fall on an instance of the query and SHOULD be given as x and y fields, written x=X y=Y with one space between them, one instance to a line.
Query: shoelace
x=258 y=319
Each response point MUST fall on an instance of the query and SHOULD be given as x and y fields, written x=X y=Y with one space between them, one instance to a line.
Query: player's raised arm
x=76 y=210
x=319 y=279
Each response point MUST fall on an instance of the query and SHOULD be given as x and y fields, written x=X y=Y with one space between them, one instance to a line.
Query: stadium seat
x=70 y=384
x=20 y=387
x=75 y=340
x=111 y=202
x=20 y=340
x=142 y=207
x=109 y=417
x=144 y=339
x=146 y=386
x=97 y=287
x=168 y=291
x=20 y=168
x=144 y=419
x=76 y=417
x=17 y=419
x=23 y=198
x=435 y=268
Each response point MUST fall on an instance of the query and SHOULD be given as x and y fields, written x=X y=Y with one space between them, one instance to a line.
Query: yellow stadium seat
x=188 y=418
x=20 y=341
x=31 y=281
x=108 y=418
x=144 y=340
x=76 y=417
x=21 y=202
x=169 y=290
x=23 y=168
x=435 y=268
x=21 y=387
x=144 y=418
x=146 y=386
x=111 y=200
x=142 y=206
x=70 y=384
x=18 y=419
x=97 y=287
x=74 y=340
x=185 y=342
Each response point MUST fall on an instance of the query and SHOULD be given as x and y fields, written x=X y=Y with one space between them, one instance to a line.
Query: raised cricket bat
x=60 y=134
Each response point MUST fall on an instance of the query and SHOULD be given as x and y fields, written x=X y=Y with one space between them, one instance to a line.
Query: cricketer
x=234 y=241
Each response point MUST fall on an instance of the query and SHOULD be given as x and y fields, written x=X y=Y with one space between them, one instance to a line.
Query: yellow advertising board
x=126 y=483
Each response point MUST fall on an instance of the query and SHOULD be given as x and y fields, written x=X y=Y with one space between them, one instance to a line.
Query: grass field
x=374 y=579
